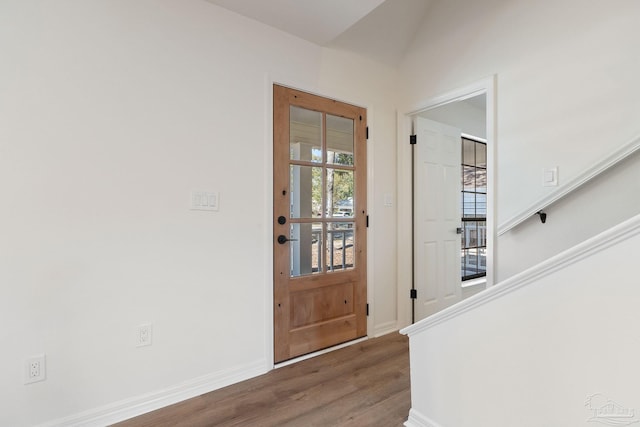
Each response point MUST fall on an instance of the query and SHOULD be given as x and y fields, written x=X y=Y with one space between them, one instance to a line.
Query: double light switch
x=205 y=201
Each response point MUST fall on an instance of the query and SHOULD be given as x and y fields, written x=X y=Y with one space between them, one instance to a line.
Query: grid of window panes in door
x=474 y=209
x=322 y=184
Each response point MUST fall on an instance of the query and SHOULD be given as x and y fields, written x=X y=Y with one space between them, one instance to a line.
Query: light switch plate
x=550 y=177
x=205 y=201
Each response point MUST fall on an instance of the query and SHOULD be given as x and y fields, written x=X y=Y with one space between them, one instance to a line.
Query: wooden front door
x=320 y=220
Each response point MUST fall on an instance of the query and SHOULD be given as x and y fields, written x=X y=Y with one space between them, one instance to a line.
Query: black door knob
x=282 y=239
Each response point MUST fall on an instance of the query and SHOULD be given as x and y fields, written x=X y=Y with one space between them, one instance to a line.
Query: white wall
x=374 y=85
x=607 y=200
x=112 y=112
x=567 y=87
x=463 y=115
x=534 y=356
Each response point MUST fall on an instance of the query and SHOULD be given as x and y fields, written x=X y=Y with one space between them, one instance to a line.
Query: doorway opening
x=470 y=110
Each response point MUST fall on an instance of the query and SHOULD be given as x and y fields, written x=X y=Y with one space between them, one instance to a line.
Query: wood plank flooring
x=366 y=384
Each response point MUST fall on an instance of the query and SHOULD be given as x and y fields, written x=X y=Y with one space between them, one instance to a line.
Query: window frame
x=478 y=242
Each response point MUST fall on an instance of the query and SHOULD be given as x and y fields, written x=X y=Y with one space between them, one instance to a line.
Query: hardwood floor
x=366 y=384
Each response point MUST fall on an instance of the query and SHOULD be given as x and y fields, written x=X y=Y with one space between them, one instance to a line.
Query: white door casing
x=437 y=192
x=405 y=237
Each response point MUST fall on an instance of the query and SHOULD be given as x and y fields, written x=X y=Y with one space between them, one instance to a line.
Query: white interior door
x=437 y=199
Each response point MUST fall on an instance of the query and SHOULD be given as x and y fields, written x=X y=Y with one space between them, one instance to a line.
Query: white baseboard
x=129 y=408
x=416 y=419
x=385 y=328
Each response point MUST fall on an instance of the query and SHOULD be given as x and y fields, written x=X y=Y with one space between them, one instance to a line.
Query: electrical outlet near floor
x=144 y=334
x=35 y=369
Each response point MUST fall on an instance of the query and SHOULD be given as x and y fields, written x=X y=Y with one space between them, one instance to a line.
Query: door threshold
x=318 y=353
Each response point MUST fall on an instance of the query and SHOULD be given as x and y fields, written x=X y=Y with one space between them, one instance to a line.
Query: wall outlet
x=35 y=369
x=144 y=334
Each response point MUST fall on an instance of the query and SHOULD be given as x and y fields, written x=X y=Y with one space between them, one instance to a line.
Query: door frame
x=404 y=161
x=268 y=218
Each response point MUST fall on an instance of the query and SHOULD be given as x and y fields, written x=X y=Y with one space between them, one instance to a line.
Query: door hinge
x=367 y=221
x=367 y=135
x=413 y=139
x=413 y=294
x=367 y=309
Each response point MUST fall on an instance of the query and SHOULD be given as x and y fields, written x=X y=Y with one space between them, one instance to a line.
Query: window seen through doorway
x=474 y=209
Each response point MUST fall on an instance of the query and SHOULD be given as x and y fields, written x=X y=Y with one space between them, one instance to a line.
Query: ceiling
x=380 y=29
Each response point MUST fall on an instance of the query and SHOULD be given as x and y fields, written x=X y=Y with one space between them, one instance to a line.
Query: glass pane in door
x=305 y=134
x=339 y=194
x=339 y=140
x=305 y=191
x=340 y=247
x=305 y=248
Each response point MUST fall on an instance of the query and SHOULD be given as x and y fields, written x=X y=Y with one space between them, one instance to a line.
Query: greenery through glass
x=339 y=189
